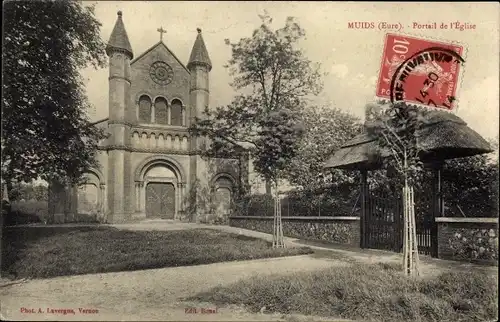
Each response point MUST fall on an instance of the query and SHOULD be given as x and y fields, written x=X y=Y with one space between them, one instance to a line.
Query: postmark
x=420 y=71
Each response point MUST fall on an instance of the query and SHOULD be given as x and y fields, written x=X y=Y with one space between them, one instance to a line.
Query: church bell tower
x=120 y=54
x=199 y=66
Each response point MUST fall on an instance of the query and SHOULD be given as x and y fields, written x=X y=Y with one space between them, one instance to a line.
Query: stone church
x=150 y=166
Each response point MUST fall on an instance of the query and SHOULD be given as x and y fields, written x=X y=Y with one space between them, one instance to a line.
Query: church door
x=223 y=201
x=160 y=200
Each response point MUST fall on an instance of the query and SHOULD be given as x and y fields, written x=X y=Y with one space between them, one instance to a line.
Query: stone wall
x=468 y=239
x=342 y=230
x=142 y=84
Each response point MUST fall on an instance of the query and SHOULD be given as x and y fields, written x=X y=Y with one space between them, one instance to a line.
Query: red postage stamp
x=420 y=71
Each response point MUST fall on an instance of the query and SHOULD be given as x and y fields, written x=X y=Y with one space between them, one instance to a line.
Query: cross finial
x=161 y=31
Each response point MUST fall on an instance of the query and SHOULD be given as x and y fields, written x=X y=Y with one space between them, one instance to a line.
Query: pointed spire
x=199 y=54
x=118 y=41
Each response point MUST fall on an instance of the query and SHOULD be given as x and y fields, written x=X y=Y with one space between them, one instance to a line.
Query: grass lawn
x=40 y=252
x=377 y=292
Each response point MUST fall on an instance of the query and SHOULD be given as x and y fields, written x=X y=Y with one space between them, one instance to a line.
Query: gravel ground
x=146 y=295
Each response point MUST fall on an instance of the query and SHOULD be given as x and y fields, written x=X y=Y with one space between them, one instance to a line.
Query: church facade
x=150 y=166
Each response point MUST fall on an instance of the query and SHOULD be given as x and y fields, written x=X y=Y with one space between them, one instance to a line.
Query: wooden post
x=437 y=205
x=397 y=224
x=364 y=209
x=415 y=256
x=278 y=241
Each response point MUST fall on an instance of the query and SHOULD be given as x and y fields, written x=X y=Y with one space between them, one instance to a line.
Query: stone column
x=183 y=115
x=169 y=113
x=137 y=196
x=152 y=119
x=176 y=201
x=184 y=195
x=181 y=195
x=142 y=199
x=102 y=197
x=137 y=109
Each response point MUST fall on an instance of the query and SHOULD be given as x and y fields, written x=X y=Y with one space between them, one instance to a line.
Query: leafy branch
x=46 y=131
x=273 y=79
x=396 y=128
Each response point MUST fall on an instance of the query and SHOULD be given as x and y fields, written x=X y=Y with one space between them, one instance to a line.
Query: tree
x=395 y=126
x=272 y=79
x=471 y=186
x=46 y=132
x=326 y=130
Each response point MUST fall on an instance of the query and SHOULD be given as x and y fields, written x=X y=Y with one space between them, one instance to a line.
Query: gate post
x=364 y=199
x=437 y=205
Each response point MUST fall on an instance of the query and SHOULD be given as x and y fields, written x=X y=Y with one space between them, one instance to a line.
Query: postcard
x=249 y=161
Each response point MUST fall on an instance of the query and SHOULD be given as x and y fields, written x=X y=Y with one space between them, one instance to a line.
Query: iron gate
x=384 y=224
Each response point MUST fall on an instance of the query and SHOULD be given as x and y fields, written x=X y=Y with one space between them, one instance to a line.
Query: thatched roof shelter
x=443 y=136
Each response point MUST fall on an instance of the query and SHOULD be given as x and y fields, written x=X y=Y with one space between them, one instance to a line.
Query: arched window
x=144 y=109
x=161 y=111
x=176 y=113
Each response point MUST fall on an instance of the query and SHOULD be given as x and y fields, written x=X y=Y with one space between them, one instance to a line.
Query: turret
x=120 y=53
x=119 y=186
x=199 y=65
x=118 y=41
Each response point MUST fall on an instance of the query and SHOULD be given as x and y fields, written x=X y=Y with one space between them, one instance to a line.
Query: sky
x=351 y=58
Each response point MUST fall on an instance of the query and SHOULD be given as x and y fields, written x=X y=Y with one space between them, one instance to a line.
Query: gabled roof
x=153 y=47
x=199 y=54
x=119 y=39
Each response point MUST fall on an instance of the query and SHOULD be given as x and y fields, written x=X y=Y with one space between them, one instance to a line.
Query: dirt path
x=429 y=267
x=146 y=295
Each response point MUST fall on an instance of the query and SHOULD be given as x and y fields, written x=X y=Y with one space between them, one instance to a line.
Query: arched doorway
x=90 y=195
x=160 y=192
x=159 y=188
x=88 y=198
x=222 y=195
x=223 y=201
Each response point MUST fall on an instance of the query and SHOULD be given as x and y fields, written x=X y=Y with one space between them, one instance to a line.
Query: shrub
x=299 y=203
x=472 y=184
x=31 y=207
x=254 y=205
x=24 y=212
x=19 y=218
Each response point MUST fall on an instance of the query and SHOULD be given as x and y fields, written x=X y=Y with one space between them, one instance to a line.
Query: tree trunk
x=10 y=191
x=5 y=192
x=5 y=203
x=268 y=187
